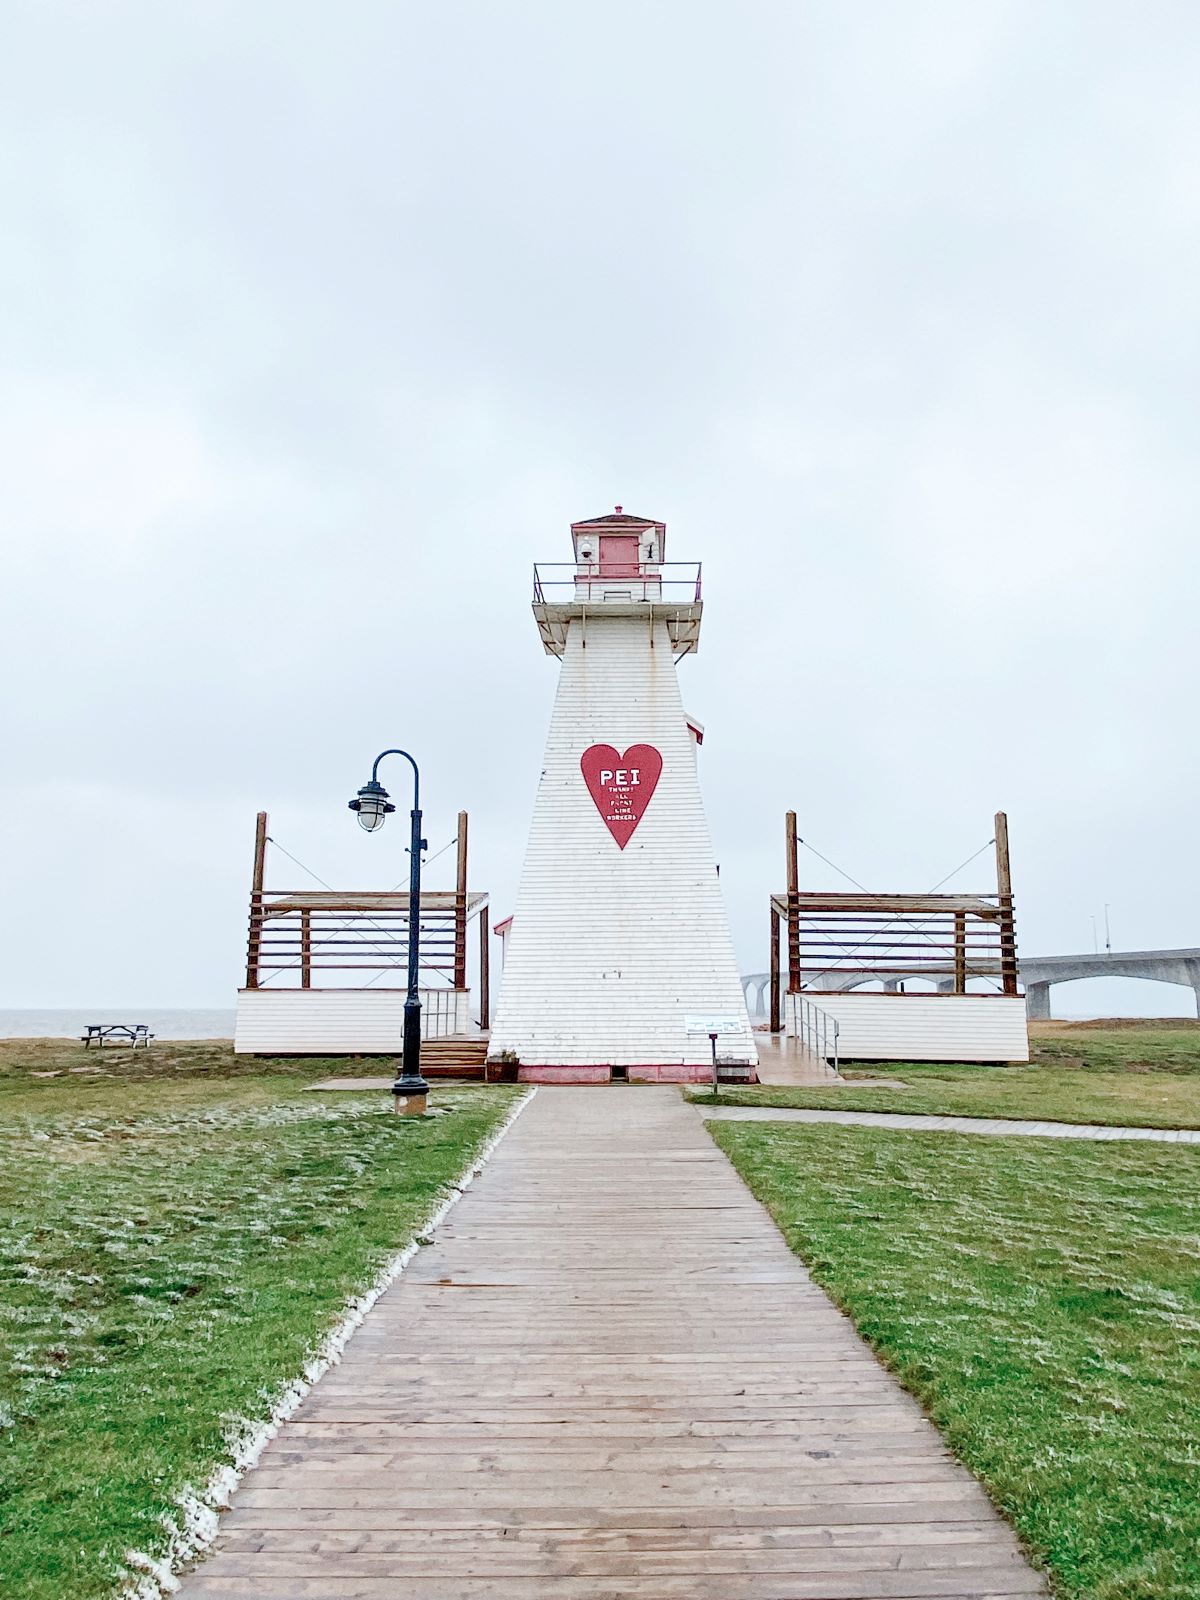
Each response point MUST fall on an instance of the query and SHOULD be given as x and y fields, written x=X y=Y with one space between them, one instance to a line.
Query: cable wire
x=368 y=945
x=917 y=924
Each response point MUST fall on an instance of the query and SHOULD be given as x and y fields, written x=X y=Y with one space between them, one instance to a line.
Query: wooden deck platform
x=609 y=1378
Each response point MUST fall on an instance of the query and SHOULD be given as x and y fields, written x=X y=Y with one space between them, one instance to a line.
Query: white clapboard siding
x=922 y=1027
x=611 y=950
x=332 y=1022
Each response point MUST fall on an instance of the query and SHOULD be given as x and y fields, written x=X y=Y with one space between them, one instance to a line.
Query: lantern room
x=619 y=565
x=617 y=548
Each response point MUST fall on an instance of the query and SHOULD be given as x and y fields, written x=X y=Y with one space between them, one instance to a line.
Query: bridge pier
x=1037 y=1001
x=758 y=985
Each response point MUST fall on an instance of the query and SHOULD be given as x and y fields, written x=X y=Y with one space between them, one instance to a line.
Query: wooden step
x=453 y=1058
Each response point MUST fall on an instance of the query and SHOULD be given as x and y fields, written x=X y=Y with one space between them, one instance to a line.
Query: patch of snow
x=191 y=1533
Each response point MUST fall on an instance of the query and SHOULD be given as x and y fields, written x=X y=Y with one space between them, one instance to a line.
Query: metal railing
x=673 y=582
x=817 y=1031
x=443 y=1013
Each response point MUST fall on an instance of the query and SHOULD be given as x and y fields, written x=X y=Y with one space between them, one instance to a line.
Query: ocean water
x=164 y=1024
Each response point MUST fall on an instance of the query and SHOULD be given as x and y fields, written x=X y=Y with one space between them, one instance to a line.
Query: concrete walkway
x=993 y=1125
x=609 y=1379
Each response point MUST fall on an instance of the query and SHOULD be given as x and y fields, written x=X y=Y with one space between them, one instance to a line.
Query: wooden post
x=306 y=949
x=775 y=996
x=1008 y=931
x=460 y=907
x=793 y=907
x=960 y=952
x=256 y=905
x=485 y=979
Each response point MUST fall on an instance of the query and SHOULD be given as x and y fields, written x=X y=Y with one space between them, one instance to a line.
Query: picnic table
x=126 y=1035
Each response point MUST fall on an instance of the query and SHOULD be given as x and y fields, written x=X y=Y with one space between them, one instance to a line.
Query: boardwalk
x=608 y=1377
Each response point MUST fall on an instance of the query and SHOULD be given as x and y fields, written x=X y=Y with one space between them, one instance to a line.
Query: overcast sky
x=321 y=324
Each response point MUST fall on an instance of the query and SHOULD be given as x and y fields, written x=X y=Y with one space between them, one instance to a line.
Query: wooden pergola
x=298 y=937
x=836 y=942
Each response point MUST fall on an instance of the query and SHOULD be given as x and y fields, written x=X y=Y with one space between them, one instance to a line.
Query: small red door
x=619 y=556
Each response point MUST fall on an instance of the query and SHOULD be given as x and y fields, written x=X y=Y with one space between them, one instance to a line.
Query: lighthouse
x=618 y=959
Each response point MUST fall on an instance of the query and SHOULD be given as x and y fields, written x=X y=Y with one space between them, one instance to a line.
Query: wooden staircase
x=453 y=1058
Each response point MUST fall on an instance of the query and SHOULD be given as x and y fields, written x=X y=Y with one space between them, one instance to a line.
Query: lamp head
x=372 y=805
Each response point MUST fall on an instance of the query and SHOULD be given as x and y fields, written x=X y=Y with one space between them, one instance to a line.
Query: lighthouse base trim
x=650 y=1072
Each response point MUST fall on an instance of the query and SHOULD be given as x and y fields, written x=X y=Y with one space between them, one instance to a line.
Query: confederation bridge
x=1038 y=974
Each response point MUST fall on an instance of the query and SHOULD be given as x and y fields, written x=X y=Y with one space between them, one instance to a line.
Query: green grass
x=1134 y=1044
x=1139 y=1076
x=180 y=1231
x=1042 y=1300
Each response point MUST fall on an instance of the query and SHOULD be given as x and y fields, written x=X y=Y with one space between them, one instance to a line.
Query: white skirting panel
x=341 y=1022
x=922 y=1027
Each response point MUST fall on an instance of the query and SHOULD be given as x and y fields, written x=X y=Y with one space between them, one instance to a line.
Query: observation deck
x=663 y=591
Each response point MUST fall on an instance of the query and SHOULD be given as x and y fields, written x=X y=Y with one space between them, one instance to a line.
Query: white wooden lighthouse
x=618 y=961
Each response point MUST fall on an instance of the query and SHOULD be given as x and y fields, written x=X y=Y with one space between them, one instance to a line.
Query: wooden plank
x=1008 y=934
x=911 y=905
x=855 y=1522
x=485 y=973
x=460 y=906
x=437 y=902
x=256 y=892
x=254 y=1559
x=792 y=861
x=972 y=1584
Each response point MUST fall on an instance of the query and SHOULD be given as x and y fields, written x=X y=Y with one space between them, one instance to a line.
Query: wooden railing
x=834 y=939
x=345 y=939
x=314 y=939
x=838 y=941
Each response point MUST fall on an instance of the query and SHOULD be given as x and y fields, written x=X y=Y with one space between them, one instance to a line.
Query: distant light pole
x=372 y=805
x=1107 y=934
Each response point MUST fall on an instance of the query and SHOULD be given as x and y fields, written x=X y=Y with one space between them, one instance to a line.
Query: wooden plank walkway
x=609 y=1379
x=915 y=1123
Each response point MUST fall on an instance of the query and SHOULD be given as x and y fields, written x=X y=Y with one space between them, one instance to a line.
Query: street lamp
x=372 y=805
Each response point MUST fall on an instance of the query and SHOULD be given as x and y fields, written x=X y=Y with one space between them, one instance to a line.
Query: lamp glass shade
x=371 y=806
x=371 y=814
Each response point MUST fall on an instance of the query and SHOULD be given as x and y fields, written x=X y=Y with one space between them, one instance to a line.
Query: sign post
x=714 y=1025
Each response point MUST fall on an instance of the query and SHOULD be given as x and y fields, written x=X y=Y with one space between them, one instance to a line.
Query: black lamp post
x=372 y=805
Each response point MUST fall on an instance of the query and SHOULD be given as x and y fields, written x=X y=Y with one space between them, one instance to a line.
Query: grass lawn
x=1042 y=1299
x=180 y=1230
x=1142 y=1075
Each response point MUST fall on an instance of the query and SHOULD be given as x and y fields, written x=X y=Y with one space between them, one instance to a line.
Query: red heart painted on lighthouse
x=621 y=785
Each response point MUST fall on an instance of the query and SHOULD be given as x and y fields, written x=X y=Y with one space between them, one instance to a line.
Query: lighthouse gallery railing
x=676 y=582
